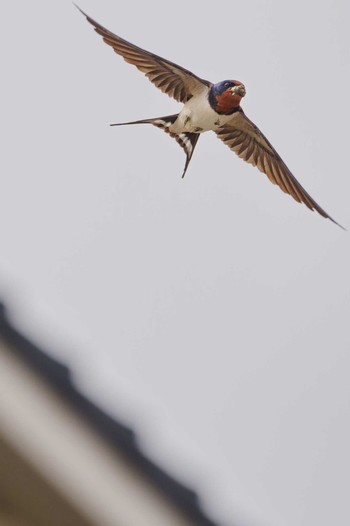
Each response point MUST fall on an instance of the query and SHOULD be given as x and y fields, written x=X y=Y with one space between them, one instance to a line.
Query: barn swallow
x=207 y=107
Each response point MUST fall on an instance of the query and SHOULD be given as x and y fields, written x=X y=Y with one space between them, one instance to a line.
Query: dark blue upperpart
x=218 y=89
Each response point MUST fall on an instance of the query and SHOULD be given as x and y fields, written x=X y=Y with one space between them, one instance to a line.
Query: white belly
x=198 y=116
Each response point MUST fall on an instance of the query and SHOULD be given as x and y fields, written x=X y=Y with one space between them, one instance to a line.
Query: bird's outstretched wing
x=246 y=140
x=172 y=79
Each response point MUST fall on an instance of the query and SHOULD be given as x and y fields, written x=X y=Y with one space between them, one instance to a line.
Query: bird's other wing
x=243 y=137
x=172 y=79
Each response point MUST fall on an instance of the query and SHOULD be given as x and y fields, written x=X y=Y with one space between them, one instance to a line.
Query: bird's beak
x=239 y=90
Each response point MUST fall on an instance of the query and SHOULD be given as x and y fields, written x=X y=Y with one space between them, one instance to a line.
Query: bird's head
x=225 y=96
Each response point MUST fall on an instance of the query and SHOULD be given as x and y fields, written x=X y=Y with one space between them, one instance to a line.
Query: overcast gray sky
x=212 y=313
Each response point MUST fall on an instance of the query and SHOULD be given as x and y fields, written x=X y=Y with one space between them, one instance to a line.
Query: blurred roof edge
x=120 y=437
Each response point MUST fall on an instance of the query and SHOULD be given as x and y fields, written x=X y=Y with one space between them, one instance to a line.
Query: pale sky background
x=211 y=313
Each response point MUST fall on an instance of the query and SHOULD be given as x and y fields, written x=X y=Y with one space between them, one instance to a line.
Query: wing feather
x=174 y=80
x=243 y=137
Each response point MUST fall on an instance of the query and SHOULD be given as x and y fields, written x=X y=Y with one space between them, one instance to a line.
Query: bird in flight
x=207 y=107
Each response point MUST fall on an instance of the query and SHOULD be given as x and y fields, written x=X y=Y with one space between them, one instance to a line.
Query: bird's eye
x=227 y=84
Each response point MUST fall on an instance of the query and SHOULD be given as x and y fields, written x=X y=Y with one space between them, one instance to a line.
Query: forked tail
x=186 y=140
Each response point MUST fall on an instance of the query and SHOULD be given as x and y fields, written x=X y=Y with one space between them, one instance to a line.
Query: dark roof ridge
x=118 y=435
